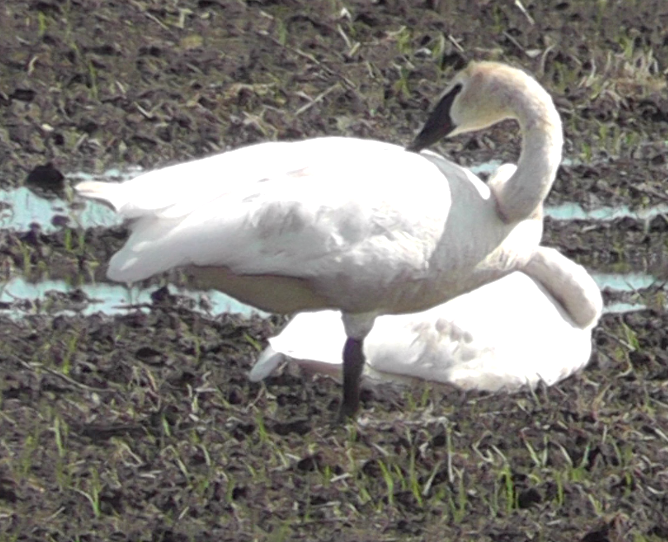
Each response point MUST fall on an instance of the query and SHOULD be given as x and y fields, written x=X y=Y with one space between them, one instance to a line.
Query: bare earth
x=145 y=428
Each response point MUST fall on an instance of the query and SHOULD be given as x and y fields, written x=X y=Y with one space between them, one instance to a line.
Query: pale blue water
x=113 y=299
x=20 y=208
x=574 y=211
x=623 y=282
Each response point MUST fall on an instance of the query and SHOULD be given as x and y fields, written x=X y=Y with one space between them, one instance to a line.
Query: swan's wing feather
x=322 y=205
x=176 y=190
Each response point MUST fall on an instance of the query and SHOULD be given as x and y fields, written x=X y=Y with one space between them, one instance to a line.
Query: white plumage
x=505 y=335
x=356 y=225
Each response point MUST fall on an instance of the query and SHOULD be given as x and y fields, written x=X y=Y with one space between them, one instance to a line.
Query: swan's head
x=481 y=95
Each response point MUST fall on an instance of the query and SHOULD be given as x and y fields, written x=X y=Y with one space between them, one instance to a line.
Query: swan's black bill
x=353 y=365
x=438 y=125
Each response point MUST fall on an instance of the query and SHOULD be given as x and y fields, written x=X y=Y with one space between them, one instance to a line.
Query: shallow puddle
x=109 y=299
x=623 y=282
x=574 y=211
x=21 y=209
x=19 y=297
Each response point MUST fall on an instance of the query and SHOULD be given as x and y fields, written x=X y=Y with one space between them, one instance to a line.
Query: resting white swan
x=356 y=225
x=524 y=328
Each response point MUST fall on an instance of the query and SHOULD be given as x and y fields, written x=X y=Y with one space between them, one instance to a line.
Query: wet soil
x=144 y=427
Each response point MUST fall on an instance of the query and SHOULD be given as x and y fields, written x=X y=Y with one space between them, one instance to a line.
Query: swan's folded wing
x=177 y=190
x=324 y=205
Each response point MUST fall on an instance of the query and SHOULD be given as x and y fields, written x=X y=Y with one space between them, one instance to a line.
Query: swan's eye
x=439 y=124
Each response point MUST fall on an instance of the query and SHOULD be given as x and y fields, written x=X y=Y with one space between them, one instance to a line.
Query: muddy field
x=144 y=427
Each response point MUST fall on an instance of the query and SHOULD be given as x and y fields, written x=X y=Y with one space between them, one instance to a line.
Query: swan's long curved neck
x=542 y=142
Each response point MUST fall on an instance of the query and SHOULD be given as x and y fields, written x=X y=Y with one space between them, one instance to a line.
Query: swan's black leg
x=353 y=365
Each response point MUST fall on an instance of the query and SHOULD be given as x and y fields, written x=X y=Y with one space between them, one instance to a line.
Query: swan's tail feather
x=108 y=193
x=266 y=364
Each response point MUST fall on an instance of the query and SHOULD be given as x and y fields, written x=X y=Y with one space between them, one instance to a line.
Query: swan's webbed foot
x=353 y=365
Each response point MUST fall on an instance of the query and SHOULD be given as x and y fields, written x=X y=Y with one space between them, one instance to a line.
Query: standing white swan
x=356 y=225
x=528 y=327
